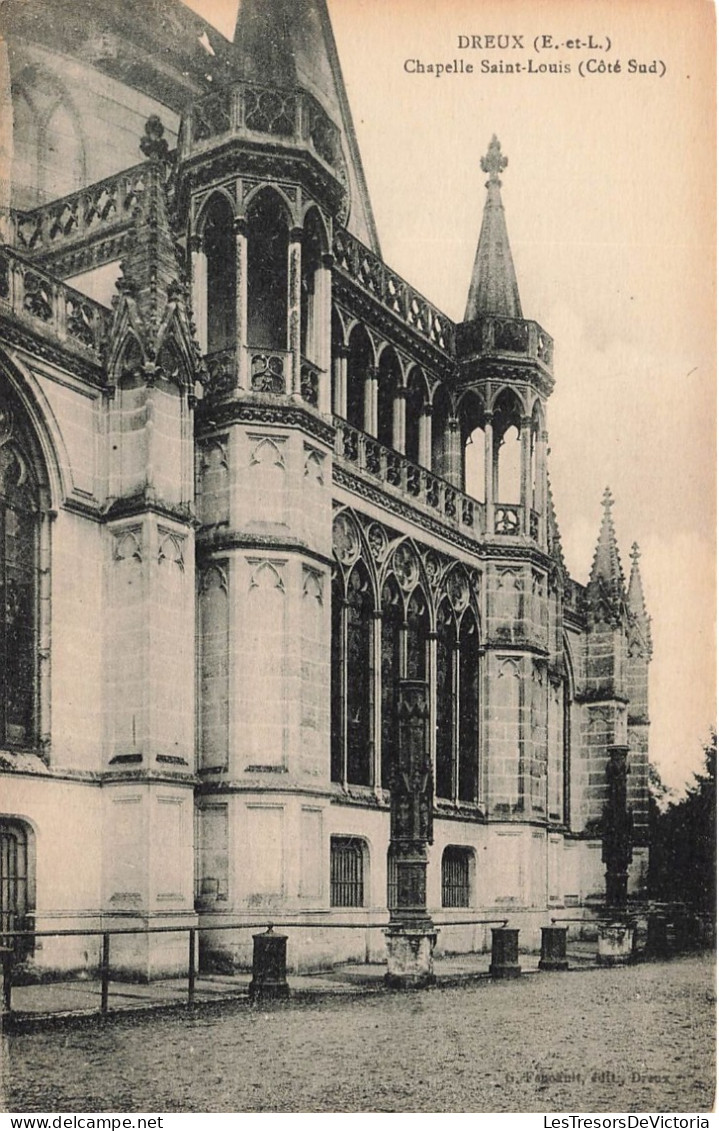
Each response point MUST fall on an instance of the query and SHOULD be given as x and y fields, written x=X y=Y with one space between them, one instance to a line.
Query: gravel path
x=632 y=1039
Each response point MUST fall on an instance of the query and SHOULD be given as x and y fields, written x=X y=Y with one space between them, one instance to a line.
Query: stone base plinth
x=554 y=949
x=409 y=957
x=505 y=953
x=269 y=967
x=615 y=944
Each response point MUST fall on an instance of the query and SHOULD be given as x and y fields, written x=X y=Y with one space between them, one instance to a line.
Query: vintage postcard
x=357 y=558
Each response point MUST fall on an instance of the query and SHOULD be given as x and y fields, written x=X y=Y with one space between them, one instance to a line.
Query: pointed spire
x=263 y=43
x=151 y=307
x=606 y=566
x=493 y=289
x=288 y=44
x=606 y=589
x=554 y=537
x=641 y=621
x=150 y=269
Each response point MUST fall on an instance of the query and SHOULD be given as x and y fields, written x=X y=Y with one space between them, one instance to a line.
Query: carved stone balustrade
x=247 y=110
x=373 y=276
x=396 y=472
x=310 y=382
x=31 y=297
x=81 y=230
x=492 y=336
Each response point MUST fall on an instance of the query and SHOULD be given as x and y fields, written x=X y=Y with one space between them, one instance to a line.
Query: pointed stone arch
x=269 y=220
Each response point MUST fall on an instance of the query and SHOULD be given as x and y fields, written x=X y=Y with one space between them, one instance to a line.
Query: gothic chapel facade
x=249 y=479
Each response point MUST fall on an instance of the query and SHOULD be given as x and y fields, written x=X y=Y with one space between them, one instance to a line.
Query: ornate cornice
x=359 y=302
x=142 y=504
x=90 y=253
x=217 y=540
x=241 y=157
x=286 y=415
x=66 y=355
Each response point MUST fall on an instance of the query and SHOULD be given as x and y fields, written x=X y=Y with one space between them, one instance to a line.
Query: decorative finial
x=635 y=554
x=153 y=144
x=607 y=500
x=495 y=162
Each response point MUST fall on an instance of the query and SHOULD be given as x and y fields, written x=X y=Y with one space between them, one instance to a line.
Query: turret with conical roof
x=505 y=361
x=493 y=289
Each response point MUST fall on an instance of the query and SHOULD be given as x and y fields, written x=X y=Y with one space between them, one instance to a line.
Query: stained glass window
x=19 y=522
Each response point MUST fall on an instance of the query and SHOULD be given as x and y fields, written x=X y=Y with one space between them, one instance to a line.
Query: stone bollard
x=505 y=953
x=554 y=949
x=269 y=967
x=657 y=945
x=409 y=957
x=615 y=943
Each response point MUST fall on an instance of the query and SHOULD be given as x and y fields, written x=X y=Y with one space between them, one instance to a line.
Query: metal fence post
x=191 y=969
x=105 y=972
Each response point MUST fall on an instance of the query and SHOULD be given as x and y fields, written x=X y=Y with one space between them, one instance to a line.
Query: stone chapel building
x=249 y=479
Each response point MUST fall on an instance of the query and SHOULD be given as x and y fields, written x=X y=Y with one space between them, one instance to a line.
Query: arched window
x=267 y=251
x=457 y=743
x=359 y=362
x=311 y=324
x=219 y=246
x=19 y=549
x=347 y=871
x=507 y=449
x=416 y=399
x=392 y=617
x=417 y=636
x=352 y=679
x=457 y=867
x=388 y=382
x=468 y=702
x=446 y=645
x=16 y=884
x=441 y=446
x=471 y=417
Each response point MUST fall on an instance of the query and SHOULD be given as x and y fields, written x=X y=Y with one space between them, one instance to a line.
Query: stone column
x=399 y=420
x=339 y=392
x=525 y=493
x=322 y=330
x=489 y=483
x=370 y=400
x=453 y=457
x=541 y=488
x=411 y=935
x=617 y=829
x=376 y=645
x=425 y=436
x=243 y=376
x=294 y=307
x=199 y=290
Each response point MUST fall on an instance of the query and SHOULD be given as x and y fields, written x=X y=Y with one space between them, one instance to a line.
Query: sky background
x=609 y=200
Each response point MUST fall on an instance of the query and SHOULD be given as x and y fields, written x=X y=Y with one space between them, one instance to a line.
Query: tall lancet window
x=219 y=247
x=446 y=710
x=507 y=449
x=468 y=703
x=392 y=620
x=267 y=251
x=352 y=678
x=19 y=547
x=457 y=705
